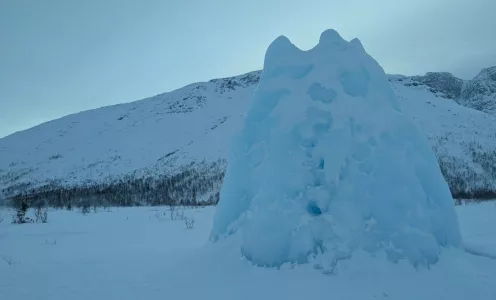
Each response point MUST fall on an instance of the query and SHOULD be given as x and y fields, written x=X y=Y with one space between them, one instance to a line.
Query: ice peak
x=324 y=153
x=280 y=52
x=356 y=43
x=281 y=44
x=331 y=37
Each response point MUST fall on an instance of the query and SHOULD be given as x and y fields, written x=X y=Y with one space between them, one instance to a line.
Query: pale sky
x=59 y=57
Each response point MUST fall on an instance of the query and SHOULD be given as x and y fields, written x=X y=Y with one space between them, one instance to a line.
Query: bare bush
x=37 y=214
x=180 y=214
x=176 y=212
x=85 y=209
x=41 y=215
x=52 y=242
x=189 y=222
x=173 y=212
x=8 y=260
x=44 y=216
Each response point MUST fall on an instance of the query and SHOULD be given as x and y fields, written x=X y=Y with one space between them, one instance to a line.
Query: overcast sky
x=60 y=56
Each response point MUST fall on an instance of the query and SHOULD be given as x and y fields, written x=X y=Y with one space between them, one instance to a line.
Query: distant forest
x=196 y=185
x=199 y=185
x=463 y=180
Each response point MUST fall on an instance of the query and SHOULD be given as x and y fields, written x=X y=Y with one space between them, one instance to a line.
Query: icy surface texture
x=327 y=163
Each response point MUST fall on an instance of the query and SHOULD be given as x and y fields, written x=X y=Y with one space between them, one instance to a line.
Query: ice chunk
x=327 y=164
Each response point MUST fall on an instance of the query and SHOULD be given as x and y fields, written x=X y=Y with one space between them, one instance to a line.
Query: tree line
x=197 y=185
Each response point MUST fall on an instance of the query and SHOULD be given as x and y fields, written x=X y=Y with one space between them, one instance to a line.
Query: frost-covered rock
x=327 y=163
x=480 y=92
x=443 y=82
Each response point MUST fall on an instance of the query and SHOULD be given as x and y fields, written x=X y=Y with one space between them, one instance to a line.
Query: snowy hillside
x=464 y=139
x=186 y=133
x=478 y=93
x=157 y=136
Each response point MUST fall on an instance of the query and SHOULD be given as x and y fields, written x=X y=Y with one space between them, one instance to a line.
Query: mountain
x=462 y=138
x=478 y=93
x=173 y=147
x=442 y=83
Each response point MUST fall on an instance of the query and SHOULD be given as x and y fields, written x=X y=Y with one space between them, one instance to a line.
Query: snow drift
x=327 y=163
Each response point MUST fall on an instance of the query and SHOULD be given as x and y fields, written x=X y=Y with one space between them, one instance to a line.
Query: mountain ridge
x=189 y=128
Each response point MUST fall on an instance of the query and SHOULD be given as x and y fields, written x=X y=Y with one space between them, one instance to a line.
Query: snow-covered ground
x=139 y=253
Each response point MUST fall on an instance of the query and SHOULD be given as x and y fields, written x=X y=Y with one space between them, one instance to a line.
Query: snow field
x=139 y=253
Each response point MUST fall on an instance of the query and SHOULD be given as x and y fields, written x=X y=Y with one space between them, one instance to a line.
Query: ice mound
x=327 y=164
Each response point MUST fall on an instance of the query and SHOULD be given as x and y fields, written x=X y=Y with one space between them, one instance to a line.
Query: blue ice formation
x=327 y=162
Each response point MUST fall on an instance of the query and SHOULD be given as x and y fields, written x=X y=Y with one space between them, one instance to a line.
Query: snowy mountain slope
x=464 y=139
x=172 y=132
x=478 y=93
x=441 y=82
x=153 y=136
